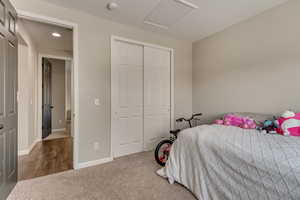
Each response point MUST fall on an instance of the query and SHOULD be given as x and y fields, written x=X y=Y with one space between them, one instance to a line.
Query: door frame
x=122 y=39
x=74 y=27
x=40 y=89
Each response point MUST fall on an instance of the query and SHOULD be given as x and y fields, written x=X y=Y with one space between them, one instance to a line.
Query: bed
x=221 y=162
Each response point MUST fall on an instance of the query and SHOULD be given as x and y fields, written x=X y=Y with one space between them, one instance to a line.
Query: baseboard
x=23 y=152
x=58 y=130
x=28 y=150
x=94 y=162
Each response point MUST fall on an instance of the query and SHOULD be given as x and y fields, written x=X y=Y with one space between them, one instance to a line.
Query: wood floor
x=47 y=157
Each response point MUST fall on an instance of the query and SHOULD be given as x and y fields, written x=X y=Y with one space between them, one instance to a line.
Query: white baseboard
x=23 y=152
x=94 y=162
x=29 y=149
x=58 y=130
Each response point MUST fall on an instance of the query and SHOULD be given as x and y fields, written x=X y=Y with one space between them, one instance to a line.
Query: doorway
x=49 y=99
x=56 y=98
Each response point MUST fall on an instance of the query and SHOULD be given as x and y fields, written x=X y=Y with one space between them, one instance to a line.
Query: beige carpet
x=128 y=178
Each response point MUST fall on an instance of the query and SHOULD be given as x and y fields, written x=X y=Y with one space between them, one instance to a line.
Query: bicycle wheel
x=162 y=152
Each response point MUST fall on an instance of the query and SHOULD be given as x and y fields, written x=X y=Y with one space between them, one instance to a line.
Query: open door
x=47 y=98
x=8 y=99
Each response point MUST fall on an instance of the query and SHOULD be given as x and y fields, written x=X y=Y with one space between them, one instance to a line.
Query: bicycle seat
x=175 y=132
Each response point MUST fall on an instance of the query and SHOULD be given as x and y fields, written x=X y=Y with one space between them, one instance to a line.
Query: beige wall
x=253 y=66
x=23 y=122
x=94 y=71
x=68 y=66
x=27 y=77
x=58 y=94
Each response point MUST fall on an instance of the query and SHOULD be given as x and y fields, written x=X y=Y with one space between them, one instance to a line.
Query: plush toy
x=233 y=120
x=270 y=126
x=238 y=121
x=248 y=123
x=219 y=122
x=289 y=124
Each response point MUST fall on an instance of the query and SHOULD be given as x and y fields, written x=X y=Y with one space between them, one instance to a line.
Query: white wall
x=58 y=94
x=68 y=67
x=23 y=123
x=27 y=74
x=253 y=66
x=94 y=71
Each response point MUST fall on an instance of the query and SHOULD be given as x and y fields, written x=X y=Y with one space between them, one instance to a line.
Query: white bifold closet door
x=157 y=96
x=141 y=97
x=127 y=98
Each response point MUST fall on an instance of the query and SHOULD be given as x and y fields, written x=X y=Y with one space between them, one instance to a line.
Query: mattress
x=220 y=162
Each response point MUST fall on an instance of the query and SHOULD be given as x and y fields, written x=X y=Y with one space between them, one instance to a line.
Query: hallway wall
x=68 y=72
x=27 y=66
x=23 y=97
x=58 y=94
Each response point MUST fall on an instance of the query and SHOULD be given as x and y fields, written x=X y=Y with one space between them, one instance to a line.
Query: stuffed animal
x=248 y=123
x=289 y=124
x=270 y=126
x=219 y=122
x=238 y=121
x=233 y=120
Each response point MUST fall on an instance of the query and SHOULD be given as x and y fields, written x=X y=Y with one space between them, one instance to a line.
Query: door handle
x=51 y=107
x=1 y=126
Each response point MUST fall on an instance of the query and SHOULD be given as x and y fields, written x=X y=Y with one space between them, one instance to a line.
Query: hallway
x=47 y=157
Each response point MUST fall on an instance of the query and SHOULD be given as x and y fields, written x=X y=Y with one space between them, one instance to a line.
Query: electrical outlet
x=96 y=146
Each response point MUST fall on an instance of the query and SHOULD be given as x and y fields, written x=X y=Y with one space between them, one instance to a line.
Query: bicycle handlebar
x=190 y=119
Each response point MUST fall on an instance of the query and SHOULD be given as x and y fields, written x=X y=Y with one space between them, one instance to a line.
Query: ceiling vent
x=168 y=12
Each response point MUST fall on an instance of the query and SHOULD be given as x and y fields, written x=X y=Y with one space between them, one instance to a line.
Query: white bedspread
x=219 y=163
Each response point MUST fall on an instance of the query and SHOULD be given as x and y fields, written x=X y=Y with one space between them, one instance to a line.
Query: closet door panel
x=127 y=98
x=157 y=96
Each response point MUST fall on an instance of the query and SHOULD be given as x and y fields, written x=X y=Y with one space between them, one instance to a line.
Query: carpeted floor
x=128 y=178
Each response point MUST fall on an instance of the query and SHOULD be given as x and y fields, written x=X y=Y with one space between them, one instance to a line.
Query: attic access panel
x=168 y=12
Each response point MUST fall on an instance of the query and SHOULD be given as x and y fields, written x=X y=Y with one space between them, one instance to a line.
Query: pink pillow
x=289 y=124
x=237 y=121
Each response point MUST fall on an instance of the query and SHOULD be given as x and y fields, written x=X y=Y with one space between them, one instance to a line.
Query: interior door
x=47 y=98
x=157 y=96
x=127 y=98
x=8 y=99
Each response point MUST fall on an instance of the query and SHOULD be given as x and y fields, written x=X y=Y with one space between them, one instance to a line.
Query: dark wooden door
x=47 y=98
x=8 y=99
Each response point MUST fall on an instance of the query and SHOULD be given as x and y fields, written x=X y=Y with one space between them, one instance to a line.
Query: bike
x=162 y=150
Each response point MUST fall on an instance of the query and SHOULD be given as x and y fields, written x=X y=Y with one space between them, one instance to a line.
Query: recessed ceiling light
x=112 y=6
x=56 y=34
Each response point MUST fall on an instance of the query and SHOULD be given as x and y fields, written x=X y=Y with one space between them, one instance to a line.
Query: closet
x=141 y=87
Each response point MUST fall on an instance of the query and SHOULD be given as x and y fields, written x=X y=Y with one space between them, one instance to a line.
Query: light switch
x=96 y=146
x=97 y=102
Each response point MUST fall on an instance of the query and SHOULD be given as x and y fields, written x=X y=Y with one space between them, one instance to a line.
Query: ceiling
x=41 y=34
x=212 y=15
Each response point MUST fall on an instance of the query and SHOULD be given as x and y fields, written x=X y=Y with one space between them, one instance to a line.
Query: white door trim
x=74 y=26
x=122 y=39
